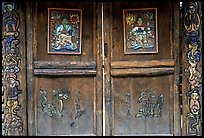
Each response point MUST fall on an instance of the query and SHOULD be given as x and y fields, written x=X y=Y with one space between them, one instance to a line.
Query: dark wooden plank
x=107 y=59
x=64 y=72
x=142 y=71
x=23 y=97
x=64 y=65
x=99 y=75
x=30 y=20
x=176 y=56
x=145 y=63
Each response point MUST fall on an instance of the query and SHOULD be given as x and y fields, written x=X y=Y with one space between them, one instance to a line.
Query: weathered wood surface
x=145 y=63
x=135 y=73
x=64 y=64
x=176 y=57
x=81 y=113
x=63 y=72
x=23 y=98
x=142 y=72
x=30 y=35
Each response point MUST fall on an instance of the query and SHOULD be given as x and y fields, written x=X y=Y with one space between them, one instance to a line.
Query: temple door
x=141 y=68
x=64 y=68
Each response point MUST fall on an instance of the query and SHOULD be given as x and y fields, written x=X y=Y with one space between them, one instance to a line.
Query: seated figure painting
x=64 y=31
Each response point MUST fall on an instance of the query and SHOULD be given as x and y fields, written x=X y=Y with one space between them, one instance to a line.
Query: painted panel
x=64 y=31
x=140 y=31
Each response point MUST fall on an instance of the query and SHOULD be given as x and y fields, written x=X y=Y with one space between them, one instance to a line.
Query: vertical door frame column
x=107 y=58
x=176 y=55
x=31 y=12
x=14 y=69
x=192 y=68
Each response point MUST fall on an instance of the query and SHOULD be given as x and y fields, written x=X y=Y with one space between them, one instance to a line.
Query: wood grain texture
x=65 y=64
x=22 y=74
x=81 y=73
x=176 y=57
x=135 y=72
x=63 y=72
x=30 y=35
x=142 y=72
x=67 y=124
x=131 y=125
x=144 y=64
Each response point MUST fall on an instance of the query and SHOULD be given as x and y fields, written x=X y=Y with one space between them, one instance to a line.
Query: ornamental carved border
x=192 y=26
x=12 y=121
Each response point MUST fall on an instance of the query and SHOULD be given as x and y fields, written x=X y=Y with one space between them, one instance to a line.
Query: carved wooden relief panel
x=11 y=62
x=56 y=107
x=192 y=27
x=137 y=109
x=151 y=105
x=63 y=109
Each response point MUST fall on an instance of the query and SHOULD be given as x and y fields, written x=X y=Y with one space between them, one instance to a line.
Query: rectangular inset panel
x=142 y=105
x=65 y=105
x=64 y=31
x=140 y=31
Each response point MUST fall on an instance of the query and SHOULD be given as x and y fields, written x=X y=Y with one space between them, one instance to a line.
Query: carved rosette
x=192 y=26
x=12 y=121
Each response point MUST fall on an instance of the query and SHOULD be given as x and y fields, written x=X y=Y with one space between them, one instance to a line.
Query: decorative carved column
x=192 y=72
x=12 y=120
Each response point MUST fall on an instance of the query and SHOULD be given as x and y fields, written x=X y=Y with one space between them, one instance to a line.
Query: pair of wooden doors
x=102 y=90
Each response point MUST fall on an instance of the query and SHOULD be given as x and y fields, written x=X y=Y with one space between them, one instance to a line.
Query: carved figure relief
x=79 y=111
x=56 y=107
x=151 y=104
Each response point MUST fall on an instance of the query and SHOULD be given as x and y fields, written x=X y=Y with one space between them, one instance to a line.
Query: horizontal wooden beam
x=142 y=72
x=64 y=65
x=64 y=72
x=142 y=64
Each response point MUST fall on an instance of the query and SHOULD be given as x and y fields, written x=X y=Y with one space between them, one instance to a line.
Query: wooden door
x=64 y=89
x=141 y=88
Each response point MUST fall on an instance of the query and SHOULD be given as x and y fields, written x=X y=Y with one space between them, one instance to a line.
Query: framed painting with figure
x=64 y=31
x=140 y=31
